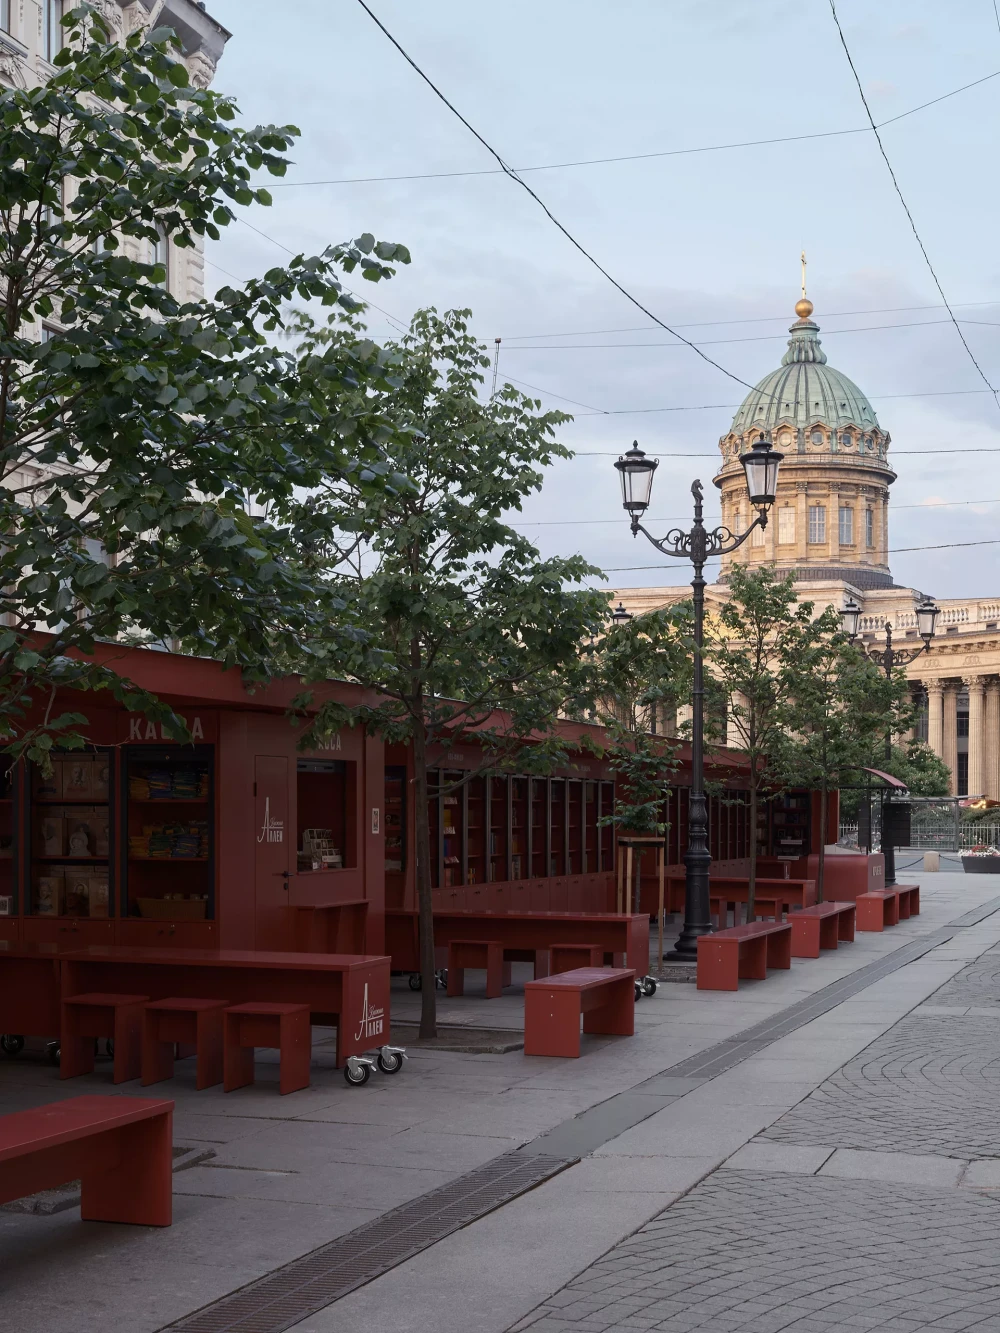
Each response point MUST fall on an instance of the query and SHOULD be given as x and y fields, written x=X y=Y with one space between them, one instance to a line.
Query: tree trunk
x=425 y=902
x=752 y=884
x=822 y=842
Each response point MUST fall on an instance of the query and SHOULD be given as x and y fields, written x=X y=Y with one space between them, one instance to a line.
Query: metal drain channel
x=303 y=1287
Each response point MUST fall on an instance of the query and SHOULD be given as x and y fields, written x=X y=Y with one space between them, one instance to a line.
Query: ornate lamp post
x=698 y=545
x=888 y=659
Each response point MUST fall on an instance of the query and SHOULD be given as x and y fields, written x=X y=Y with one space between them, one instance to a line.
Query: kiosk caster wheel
x=109 y=1049
x=358 y=1070
x=639 y=992
x=54 y=1052
x=441 y=979
x=415 y=981
x=11 y=1043
x=648 y=985
x=390 y=1059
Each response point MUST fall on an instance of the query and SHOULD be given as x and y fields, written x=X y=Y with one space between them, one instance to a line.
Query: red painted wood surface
x=743 y=952
x=486 y=954
x=284 y=1027
x=877 y=909
x=339 y=927
x=29 y=989
x=604 y=997
x=534 y=931
x=822 y=926
x=176 y=1021
x=116 y=1017
x=347 y=990
x=120 y=1148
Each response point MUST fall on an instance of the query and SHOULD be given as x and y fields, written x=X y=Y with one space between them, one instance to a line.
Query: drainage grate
x=292 y=1293
x=978 y=914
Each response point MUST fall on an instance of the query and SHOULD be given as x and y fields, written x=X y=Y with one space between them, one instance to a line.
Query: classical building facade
x=830 y=528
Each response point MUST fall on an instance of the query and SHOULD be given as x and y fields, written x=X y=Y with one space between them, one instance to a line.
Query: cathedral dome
x=804 y=391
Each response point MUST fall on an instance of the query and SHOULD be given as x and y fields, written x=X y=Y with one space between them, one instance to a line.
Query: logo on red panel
x=372 y=1020
x=272 y=830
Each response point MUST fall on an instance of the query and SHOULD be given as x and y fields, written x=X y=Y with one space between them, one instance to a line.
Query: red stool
x=283 y=1026
x=568 y=957
x=477 y=953
x=85 y=1017
x=195 y=1023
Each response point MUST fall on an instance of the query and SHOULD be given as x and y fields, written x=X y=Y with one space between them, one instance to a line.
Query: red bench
x=176 y=1021
x=822 y=926
x=119 y=1148
x=487 y=954
x=284 y=1027
x=743 y=951
x=909 y=900
x=877 y=909
x=603 y=996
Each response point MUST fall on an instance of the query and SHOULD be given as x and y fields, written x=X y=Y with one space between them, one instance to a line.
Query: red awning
x=886 y=777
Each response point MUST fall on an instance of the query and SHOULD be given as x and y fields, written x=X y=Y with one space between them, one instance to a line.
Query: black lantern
x=849 y=618
x=927 y=614
x=636 y=472
x=620 y=615
x=761 y=467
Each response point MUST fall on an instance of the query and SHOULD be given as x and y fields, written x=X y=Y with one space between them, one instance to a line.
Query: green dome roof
x=804 y=390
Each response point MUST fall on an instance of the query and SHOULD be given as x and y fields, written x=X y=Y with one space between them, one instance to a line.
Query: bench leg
x=915 y=901
x=507 y=977
x=542 y=963
x=209 y=1066
x=718 y=964
x=871 y=916
x=551 y=1023
x=237 y=1060
x=779 y=949
x=76 y=1052
x=139 y=1188
x=157 y=1055
x=456 y=980
x=616 y=1016
x=892 y=910
x=903 y=906
x=805 y=936
x=845 y=925
x=128 y=1042
x=295 y=1050
x=828 y=932
x=495 y=971
x=753 y=959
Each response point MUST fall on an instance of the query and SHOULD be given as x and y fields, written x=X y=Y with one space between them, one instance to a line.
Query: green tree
x=137 y=430
x=472 y=634
x=747 y=650
x=643 y=671
x=838 y=706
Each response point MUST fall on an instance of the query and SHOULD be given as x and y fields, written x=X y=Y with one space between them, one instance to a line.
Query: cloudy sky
x=708 y=240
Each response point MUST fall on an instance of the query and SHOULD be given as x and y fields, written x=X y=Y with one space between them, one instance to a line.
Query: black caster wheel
x=109 y=1049
x=638 y=990
x=415 y=981
x=649 y=985
x=54 y=1052
x=357 y=1074
x=390 y=1062
x=441 y=978
x=11 y=1043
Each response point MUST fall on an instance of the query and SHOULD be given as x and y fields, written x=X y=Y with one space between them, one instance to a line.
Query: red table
x=526 y=932
x=29 y=989
x=349 y=990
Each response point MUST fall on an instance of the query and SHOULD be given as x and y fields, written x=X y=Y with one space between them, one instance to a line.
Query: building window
x=53 y=33
x=817 y=437
x=738 y=521
x=869 y=527
x=5 y=15
x=846 y=525
x=786 y=525
x=757 y=538
x=846 y=440
x=161 y=256
x=962 y=776
x=817 y=524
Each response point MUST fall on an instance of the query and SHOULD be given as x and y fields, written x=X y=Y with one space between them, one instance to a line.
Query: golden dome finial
x=804 y=307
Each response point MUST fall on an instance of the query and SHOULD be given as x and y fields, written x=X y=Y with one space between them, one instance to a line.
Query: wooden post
x=661 y=854
x=621 y=868
x=628 y=880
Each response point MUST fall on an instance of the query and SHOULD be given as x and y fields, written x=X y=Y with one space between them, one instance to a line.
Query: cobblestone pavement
x=978 y=985
x=767 y=1253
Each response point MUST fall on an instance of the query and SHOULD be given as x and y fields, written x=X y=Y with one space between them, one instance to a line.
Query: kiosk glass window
x=168 y=805
x=70 y=822
x=324 y=815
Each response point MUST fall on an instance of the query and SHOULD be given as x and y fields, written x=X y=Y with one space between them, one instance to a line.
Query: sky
x=709 y=241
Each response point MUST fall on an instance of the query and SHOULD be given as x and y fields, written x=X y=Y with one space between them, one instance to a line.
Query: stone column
x=992 y=741
x=935 y=717
x=801 y=521
x=949 y=748
x=976 y=686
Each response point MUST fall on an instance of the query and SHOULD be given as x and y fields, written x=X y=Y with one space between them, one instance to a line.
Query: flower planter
x=981 y=865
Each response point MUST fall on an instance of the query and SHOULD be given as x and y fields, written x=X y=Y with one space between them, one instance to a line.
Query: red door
x=273 y=927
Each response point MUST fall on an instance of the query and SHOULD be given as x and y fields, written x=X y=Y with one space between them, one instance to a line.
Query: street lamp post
x=889 y=658
x=698 y=545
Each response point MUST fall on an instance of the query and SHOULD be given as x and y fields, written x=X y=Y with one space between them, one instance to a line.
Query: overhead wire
x=678 y=518
x=906 y=207
x=632 y=157
x=893 y=550
x=509 y=171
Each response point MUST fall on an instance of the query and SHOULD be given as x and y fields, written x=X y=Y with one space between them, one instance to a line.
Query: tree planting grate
x=290 y=1294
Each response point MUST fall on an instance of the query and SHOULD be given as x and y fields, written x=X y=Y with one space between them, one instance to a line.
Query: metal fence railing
x=935 y=835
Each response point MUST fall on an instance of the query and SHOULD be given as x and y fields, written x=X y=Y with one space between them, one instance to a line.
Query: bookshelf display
x=790 y=825
x=395 y=833
x=606 y=834
x=539 y=826
x=452 y=829
x=574 y=827
x=8 y=897
x=557 y=826
x=520 y=824
x=475 y=831
x=69 y=873
x=168 y=803
x=498 y=824
x=591 y=856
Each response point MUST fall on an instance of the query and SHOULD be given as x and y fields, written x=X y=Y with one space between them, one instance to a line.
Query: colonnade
x=984 y=730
